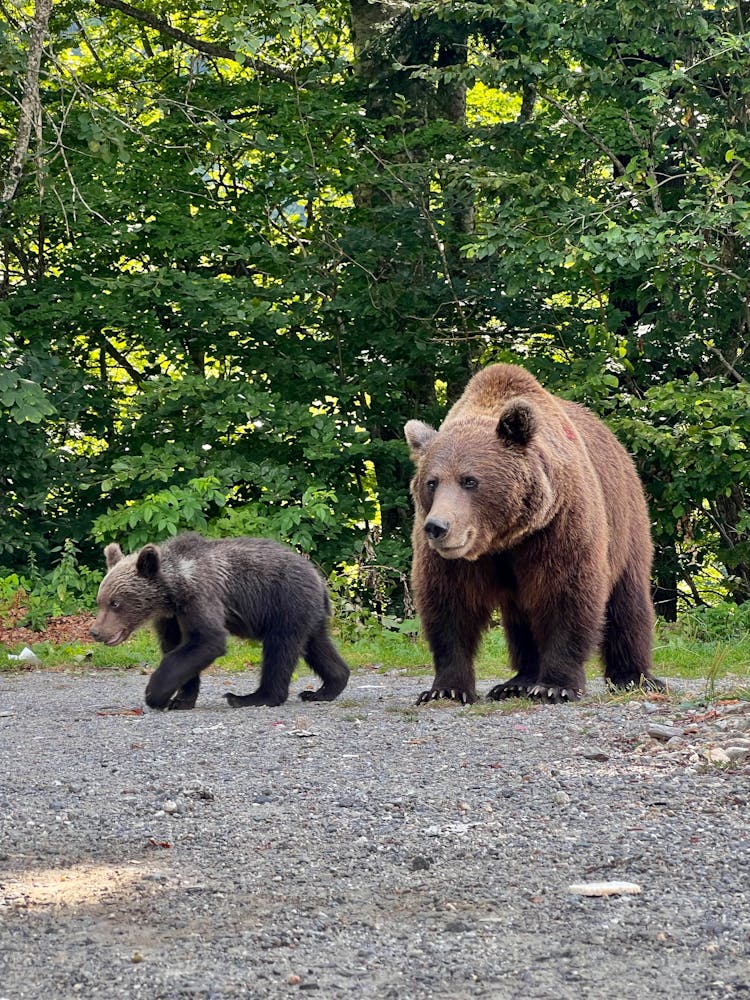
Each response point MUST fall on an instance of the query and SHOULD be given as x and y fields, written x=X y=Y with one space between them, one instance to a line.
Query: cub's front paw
x=459 y=695
x=180 y=703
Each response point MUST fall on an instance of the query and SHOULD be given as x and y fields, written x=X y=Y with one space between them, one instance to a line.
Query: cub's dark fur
x=197 y=590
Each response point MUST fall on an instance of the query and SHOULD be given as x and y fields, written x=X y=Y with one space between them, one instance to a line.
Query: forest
x=243 y=243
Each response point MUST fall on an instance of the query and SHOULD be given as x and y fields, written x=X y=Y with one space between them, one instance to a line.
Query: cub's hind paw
x=546 y=694
x=446 y=694
x=322 y=694
x=255 y=699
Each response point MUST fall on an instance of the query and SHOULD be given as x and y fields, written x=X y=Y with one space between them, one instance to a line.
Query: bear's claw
x=447 y=694
x=550 y=694
x=644 y=683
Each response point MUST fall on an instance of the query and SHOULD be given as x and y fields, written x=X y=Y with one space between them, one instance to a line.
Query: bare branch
x=615 y=160
x=30 y=104
x=728 y=368
x=207 y=48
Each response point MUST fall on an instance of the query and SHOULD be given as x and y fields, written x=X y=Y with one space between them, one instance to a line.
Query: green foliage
x=159 y=515
x=238 y=262
x=22 y=399
x=723 y=622
x=692 y=443
x=30 y=599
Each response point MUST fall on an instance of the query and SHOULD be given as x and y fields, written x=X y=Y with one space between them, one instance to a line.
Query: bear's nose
x=436 y=528
x=94 y=632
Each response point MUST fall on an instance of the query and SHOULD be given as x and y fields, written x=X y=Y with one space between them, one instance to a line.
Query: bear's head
x=129 y=595
x=482 y=483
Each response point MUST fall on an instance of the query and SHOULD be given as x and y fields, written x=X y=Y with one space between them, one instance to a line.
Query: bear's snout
x=436 y=528
x=102 y=633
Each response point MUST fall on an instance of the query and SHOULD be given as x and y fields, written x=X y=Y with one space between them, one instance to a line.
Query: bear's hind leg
x=524 y=660
x=562 y=638
x=324 y=658
x=280 y=655
x=628 y=634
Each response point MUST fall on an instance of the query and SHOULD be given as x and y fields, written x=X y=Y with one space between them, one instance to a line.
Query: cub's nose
x=436 y=528
x=94 y=632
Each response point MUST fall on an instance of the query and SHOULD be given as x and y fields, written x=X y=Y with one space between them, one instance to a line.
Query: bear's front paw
x=158 y=700
x=460 y=695
x=550 y=694
x=180 y=703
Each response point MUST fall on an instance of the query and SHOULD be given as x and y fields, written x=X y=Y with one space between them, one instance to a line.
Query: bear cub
x=198 y=590
x=528 y=504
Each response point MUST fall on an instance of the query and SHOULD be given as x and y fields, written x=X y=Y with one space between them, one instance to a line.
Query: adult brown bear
x=198 y=590
x=528 y=503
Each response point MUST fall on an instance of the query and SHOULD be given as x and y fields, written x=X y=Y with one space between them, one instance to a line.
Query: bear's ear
x=418 y=436
x=517 y=423
x=112 y=554
x=147 y=563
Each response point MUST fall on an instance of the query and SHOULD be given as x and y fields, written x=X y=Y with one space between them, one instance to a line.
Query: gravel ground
x=367 y=848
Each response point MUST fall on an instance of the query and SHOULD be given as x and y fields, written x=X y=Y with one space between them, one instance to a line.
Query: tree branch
x=614 y=160
x=207 y=48
x=30 y=104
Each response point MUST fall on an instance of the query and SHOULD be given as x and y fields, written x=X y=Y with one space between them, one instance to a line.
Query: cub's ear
x=418 y=436
x=112 y=554
x=147 y=563
x=517 y=423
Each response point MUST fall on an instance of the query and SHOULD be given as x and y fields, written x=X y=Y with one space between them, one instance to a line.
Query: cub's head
x=129 y=594
x=481 y=483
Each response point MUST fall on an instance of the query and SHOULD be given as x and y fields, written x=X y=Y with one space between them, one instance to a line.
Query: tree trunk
x=31 y=107
x=386 y=37
x=735 y=548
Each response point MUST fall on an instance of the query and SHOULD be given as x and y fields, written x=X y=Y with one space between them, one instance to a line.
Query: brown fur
x=197 y=591
x=528 y=503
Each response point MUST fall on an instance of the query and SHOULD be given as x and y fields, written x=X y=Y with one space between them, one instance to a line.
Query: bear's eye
x=431 y=485
x=468 y=483
x=114 y=605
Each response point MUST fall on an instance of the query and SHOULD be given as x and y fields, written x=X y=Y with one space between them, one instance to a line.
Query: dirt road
x=367 y=848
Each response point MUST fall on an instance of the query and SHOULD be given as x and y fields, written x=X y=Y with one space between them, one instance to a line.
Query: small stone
x=420 y=863
x=595 y=754
x=735 y=753
x=715 y=755
x=170 y=806
x=605 y=889
x=293 y=979
x=561 y=799
x=663 y=733
x=136 y=957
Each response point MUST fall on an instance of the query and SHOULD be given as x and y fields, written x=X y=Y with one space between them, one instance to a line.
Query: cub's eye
x=114 y=605
x=431 y=485
x=468 y=483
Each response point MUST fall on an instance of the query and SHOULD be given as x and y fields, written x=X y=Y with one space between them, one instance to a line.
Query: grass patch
x=677 y=653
